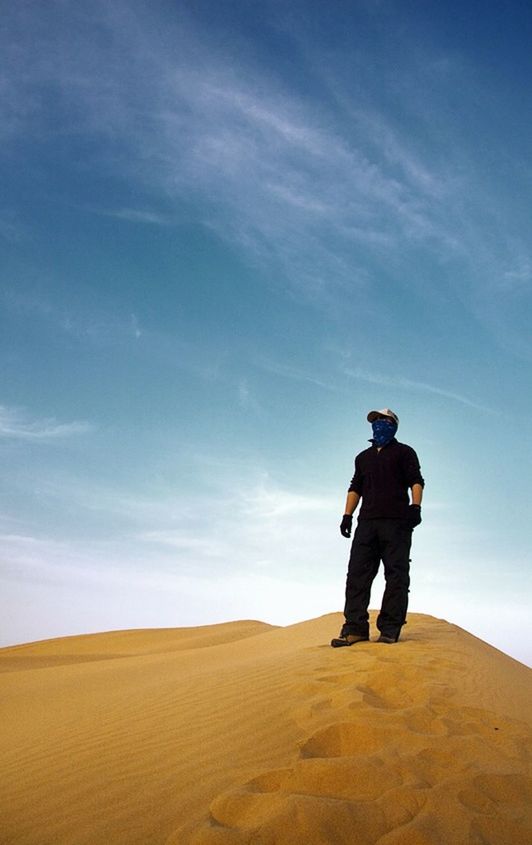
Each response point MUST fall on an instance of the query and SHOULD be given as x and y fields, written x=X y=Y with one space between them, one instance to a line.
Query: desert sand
x=246 y=733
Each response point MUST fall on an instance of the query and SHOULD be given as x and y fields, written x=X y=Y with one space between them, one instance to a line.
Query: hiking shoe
x=384 y=639
x=349 y=639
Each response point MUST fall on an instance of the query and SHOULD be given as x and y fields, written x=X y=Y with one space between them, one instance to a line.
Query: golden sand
x=245 y=733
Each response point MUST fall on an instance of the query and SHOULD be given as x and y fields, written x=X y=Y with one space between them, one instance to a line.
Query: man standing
x=384 y=473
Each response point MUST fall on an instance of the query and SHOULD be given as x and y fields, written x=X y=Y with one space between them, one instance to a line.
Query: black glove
x=346 y=526
x=414 y=515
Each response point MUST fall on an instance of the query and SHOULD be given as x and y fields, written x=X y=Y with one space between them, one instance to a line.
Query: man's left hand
x=347 y=525
x=414 y=515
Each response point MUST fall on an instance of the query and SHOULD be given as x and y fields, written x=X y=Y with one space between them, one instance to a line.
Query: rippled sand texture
x=244 y=733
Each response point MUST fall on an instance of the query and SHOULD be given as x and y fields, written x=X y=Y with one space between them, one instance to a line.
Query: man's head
x=384 y=426
x=383 y=414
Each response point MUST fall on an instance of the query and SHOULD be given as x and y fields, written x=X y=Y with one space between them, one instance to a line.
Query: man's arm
x=417 y=494
x=353 y=498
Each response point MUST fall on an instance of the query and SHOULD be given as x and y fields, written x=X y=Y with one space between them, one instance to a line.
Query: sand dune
x=246 y=733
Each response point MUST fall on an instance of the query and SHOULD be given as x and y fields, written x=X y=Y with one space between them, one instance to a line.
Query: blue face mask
x=383 y=431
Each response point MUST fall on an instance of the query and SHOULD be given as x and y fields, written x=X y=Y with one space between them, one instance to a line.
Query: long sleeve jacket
x=382 y=478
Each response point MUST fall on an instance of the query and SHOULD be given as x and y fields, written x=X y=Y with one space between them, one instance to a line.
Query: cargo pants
x=376 y=540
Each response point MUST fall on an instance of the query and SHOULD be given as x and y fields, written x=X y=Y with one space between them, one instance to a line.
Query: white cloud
x=184 y=542
x=15 y=425
x=322 y=192
x=518 y=279
x=93 y=325
x=360 y=374
x=243 y=525
x=135 y=326
x=296 y=373
x=188 y=120
x=408 y=384
x=266 y=502
x=135 y=215
x=246 y=398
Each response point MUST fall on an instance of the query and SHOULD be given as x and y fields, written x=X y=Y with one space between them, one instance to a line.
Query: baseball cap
x=384 y=412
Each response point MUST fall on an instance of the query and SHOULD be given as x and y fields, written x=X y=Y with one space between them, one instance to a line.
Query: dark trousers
x=388 y=540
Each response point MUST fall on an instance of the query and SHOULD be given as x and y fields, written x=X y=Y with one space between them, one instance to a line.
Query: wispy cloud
x=409 y=384
x=183 y=542
x=137 y=215
x=251 y=518
x=267 y=501
x=323 y=193
x=295 y=373
x=360 y=374
x=15 y=424
x=91 y=324
x=291 y=185
x=246 y=398
x=519 y=278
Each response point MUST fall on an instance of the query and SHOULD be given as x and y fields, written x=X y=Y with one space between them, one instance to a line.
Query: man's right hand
x=347 y=525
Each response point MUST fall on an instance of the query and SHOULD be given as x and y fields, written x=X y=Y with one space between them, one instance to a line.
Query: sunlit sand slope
x=245 y=733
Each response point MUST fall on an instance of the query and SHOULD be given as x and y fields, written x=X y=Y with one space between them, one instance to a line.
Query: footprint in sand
x=346 y=739
x=399 y=766
x=503 y=808
x=398 y=777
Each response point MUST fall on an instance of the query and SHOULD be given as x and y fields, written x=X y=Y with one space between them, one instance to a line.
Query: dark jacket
x=384 y=478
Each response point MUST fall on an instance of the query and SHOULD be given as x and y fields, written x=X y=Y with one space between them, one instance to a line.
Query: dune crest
x=111 y=644
x=245 y=733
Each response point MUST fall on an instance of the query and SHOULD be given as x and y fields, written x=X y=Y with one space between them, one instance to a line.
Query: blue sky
x=228 y=231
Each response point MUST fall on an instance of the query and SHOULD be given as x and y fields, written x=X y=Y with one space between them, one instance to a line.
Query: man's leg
x=363 y=567
x=395 y=541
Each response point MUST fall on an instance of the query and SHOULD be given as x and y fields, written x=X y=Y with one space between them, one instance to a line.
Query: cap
x=385 y=412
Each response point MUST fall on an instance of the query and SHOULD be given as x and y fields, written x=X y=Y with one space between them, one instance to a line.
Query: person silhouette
x=384 y=474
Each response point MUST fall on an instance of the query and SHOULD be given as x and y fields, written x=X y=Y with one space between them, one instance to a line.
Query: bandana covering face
x=383 y=431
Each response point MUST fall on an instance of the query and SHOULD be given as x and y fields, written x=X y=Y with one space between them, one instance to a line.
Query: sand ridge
x=269 y=738
x=109 y=645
